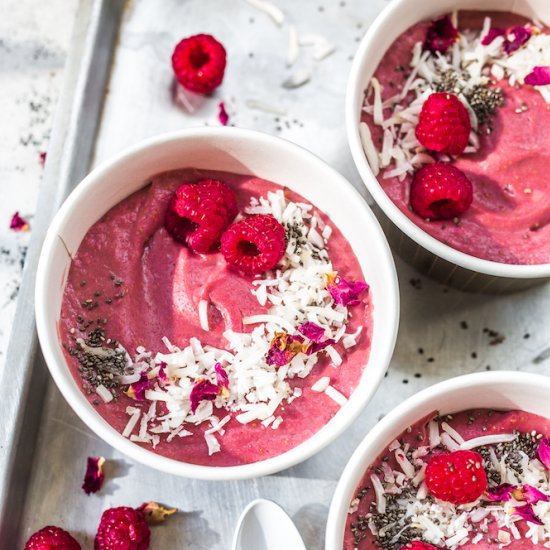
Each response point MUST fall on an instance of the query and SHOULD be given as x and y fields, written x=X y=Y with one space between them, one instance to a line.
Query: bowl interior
x=395 y=19
x=500 y=391
x=238 y=151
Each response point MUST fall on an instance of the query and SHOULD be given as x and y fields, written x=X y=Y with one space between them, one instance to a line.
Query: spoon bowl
x=264 y=525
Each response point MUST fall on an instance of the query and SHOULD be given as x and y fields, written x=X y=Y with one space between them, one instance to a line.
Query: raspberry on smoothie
x=216 y=318
x=468 y=93
x=475 y=479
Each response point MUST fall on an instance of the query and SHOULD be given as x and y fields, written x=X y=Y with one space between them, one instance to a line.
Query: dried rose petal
x=540 y=76
x=137 y=389
x=526 y=512
x=343 y=292
x=312 y=331
x=43 y=158
x=532 y=495
x=18 y=223
x=283 y=348
x=163 y=377
x=494 y=32
x=440 y=35
x=202 y=390
x=155 y=513
x=501 y=492
x=544 y=452
x=95 y=476
x=222 y=379
x=223 y=117
x=519 y=35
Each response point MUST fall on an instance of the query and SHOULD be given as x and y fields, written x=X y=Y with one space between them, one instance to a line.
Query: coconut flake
x=269 y=9
x=203 y=315
x=293 y=46
x=487 y=440
x=265 y=107
x=321 y=385
x=369 y=148
x=335 y=395
x=380 y=496
x=104 y=393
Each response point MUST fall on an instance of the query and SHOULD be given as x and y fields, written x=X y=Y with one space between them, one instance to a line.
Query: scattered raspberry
x=122 y=527
x=52 y=538
x=440 y=191
x=443 y=124
x=418 y=545
x=255 y=244
x=199 y=63
x=456 y=477
x=199 y=213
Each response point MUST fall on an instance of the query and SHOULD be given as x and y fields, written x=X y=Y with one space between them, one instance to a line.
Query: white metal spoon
x=264 y=525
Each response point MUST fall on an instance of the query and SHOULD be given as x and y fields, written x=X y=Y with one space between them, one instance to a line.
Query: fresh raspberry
x=199 y=213
x=440 y=191
x=255 y=244
x=418 y=545
x=443 y=124
x=199 y=63
x=52 y=538
x=122 y=527
x=456 y=477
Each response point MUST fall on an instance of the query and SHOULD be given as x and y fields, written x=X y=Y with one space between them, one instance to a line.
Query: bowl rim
x=64 y=380
x=354 y=97
x=354 y=468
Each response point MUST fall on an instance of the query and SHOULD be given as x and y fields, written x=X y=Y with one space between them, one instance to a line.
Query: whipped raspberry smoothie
x=213 y=357
x=476 y=479
x=496 y=65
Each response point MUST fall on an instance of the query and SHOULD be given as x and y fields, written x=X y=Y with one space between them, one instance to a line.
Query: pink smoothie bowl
x=504 y=390
x=238 y=151
x=409 y=241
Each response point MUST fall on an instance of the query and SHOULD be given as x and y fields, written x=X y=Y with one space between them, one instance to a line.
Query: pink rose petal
x=223 y=117
x=202 y=390
x=18 y=223
x=137 y=389
x=94 y=477
x=440 y=35
x=540 y=76
x=526 y=512
x=283 y=348
x=346 y=293
x=519 y=35
x=163 y=377
x=501 y=492
x=221 y=376
x=494 y=32
x=312 y=331
x=544 y=452
x=532 y=495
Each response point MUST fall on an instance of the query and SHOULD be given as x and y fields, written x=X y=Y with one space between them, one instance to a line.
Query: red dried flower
x=284 y=347
x=155 y=513
x=137 y=389
x=539 y=76
x=18 y=223
x=95 y=476
x=223 y=117
x=203 y=390
x=440 y=35
x=344 y=293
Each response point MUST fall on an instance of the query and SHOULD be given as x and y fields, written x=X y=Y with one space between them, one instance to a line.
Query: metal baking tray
x=119 y=89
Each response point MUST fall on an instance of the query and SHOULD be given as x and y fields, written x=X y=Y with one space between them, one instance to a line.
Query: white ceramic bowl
x=502 y=390
x=239 y=151
x=411 y=242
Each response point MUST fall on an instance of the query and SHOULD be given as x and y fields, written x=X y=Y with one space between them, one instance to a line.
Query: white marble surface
x=34 y=38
